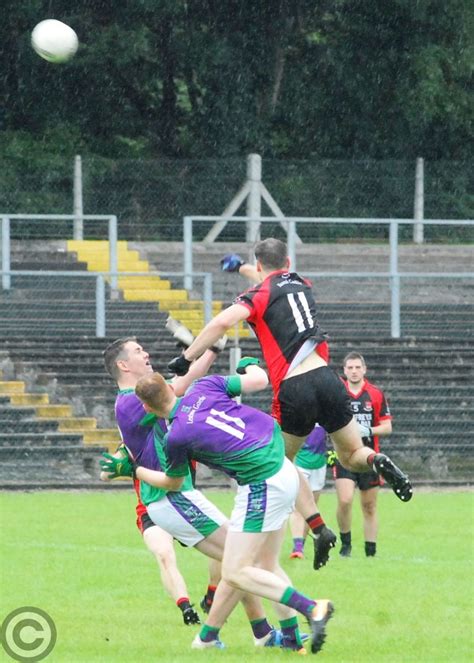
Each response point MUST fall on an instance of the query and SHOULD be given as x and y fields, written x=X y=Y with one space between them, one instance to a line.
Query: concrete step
x=12 y=387
x=29 y=399
x=76 y=423
x=16 y=413
x=53 y=411
x=12 y=426
x=48 y=465
x=102 y=436
x=32 y=264
x=45 y=438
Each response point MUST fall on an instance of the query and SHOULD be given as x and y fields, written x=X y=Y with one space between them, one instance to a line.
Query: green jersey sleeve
x=233 y=385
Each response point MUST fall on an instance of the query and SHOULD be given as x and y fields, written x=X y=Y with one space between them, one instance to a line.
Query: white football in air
x=54 y=41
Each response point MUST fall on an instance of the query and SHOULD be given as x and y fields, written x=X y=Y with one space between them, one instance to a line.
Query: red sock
x=315 y=522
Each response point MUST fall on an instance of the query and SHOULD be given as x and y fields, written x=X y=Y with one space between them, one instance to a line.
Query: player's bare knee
x=165 y=558
x=232 y=577
x=369 y=509
x=345 y=503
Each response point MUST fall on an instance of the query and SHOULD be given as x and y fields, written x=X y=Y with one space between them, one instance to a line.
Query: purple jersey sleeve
x=136 y=429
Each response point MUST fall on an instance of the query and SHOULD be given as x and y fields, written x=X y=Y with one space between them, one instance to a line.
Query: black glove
x=231 y=262
x=244 y=362
x=179 y=365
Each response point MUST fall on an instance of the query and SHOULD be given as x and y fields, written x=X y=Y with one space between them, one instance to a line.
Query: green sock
x=208 y=633
x=290 y=629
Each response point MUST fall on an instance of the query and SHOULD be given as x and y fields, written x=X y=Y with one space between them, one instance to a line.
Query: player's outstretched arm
x=216 y=328
x=158 y=479
x=198 y=369
x=254 y=378
x=208 y=337
x=201 y=366
x=250 y=273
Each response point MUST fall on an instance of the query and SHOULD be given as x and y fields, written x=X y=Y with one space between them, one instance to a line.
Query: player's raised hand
x=231 y=262
x=179 y=365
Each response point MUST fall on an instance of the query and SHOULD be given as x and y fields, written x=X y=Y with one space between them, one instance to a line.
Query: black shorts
x=363 y=480
x=315 y=397
x=144 y=522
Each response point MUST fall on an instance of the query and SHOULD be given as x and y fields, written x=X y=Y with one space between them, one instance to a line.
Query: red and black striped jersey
x=283 y=316
x=369 y=407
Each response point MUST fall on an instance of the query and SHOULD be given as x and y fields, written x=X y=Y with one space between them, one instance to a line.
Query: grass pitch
x=79 y=557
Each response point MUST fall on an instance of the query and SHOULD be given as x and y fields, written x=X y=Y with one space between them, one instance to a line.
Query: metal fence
x=200 y=225
x=88 y=302
x=152 y=196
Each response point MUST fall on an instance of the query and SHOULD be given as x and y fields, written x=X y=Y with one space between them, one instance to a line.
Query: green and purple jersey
x=142 y=433
x=208 y=425
x=312 y=455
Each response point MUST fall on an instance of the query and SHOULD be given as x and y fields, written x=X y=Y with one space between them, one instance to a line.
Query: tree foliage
x=285 y=78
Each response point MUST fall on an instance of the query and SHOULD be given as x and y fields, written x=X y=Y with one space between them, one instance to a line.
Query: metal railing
x=102 y=278
x=6 y=244
x=394 y=275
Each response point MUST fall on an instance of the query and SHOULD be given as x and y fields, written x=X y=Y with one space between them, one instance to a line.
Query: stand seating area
x=56 y=401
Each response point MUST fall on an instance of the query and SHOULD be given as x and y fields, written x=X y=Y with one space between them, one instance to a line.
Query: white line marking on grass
x=119 y=550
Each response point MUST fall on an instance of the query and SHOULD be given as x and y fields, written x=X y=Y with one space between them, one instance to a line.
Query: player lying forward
x=247 y=444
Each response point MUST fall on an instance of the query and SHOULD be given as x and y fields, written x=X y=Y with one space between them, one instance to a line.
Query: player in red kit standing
x=372 y=413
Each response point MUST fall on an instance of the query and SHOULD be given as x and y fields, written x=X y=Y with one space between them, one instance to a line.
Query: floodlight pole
x=254 y=200
x=78 y=210
x=419 y=206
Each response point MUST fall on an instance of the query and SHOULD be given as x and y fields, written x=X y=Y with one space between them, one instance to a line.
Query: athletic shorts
x=265 y=506
x=315 y=397
x=188 y=516
x=363 y=480
x=315 y=478
x=144 y=522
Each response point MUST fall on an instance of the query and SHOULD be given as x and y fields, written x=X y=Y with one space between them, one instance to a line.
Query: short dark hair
x=271 y=253
x=353 y=355
x=113 y=352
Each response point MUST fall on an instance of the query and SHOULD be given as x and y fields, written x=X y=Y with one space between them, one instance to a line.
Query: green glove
x=246 y=361
x=117 y=467
x=331 y=458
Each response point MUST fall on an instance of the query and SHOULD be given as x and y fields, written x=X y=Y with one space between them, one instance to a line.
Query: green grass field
x=79 y=557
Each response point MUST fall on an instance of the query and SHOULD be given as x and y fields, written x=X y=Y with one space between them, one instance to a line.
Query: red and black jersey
x=369 y=407
x=283 y=316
